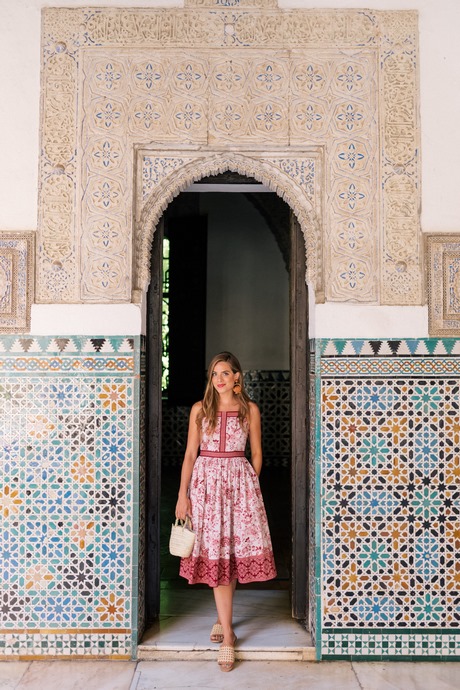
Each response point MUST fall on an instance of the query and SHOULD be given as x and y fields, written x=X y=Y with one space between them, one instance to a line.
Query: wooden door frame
x=299 y=352
x=153 y=373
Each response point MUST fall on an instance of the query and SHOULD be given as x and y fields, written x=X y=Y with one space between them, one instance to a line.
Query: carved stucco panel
x=443 y=284
x=163 y=175
x=189 y=102
x=231 y=3
x=57 y=269
x=251 y=83
x=335 y=103
x=249 y=98
x=16 y=280
x=402 y=248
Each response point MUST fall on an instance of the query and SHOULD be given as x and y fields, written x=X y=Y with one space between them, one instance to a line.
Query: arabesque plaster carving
x=244 y=85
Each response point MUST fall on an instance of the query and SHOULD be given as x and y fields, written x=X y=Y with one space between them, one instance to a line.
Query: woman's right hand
x=183 y=507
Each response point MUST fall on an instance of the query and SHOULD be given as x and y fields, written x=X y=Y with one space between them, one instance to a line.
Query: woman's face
x=223 y=378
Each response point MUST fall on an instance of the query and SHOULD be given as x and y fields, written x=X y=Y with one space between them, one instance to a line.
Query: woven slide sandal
x=217 y=633
x=226 y=657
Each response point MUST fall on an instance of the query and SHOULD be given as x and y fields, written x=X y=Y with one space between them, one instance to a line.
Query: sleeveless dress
x=228 y=513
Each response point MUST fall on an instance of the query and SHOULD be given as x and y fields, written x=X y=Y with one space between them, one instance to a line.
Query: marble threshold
x=262 y=622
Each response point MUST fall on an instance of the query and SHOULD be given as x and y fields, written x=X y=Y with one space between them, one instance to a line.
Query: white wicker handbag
x=182 y=538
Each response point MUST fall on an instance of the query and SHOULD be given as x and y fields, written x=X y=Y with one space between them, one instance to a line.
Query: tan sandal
x=226 y=657
x=217 y=633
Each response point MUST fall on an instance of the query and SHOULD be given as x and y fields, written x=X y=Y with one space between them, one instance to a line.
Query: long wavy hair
x=211 y=396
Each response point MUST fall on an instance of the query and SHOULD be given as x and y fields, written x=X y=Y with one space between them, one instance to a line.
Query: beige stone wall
x=320 y=105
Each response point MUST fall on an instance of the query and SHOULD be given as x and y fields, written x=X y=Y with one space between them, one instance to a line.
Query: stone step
x=152 y=652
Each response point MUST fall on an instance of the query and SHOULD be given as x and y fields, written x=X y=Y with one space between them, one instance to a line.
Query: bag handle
x=185 y=524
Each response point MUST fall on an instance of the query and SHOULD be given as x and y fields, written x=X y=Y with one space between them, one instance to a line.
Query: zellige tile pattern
x=390 y=485
x=67 y=417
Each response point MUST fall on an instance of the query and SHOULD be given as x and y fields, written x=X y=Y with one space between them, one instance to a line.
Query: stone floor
x=251 y=675
x=262 y=622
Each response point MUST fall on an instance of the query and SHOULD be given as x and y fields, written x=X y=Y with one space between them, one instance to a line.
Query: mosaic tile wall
x=314 y=520
x=385 y=536
x=68 y=496
x=139 y=554
x=390 y=487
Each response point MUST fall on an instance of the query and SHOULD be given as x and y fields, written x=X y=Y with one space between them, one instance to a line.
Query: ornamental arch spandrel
x=273 y=169
x=320 y=104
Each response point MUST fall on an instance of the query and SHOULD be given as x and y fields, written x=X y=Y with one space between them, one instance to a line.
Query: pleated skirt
x=229 y=519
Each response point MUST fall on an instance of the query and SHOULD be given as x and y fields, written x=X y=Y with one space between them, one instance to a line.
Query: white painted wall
x=87 y=319
x=440 y=115
x=354 y=321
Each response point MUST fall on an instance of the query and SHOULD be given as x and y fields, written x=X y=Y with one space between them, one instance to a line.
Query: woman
x=220 y=490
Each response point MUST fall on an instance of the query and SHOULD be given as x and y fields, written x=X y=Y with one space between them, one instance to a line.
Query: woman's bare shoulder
x=196 y=408
x=194 y=413
x=253 y=409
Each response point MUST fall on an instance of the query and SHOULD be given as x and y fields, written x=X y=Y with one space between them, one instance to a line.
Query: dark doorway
x=280 y=388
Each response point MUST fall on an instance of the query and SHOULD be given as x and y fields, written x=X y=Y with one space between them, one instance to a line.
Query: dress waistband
x=222 y=454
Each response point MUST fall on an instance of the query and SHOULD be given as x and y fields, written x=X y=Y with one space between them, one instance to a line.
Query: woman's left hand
x=183 y=508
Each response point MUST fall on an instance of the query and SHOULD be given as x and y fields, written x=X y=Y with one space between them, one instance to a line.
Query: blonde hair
x=210 y=401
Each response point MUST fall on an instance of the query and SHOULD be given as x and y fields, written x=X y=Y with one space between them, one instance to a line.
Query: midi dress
x=228 y=513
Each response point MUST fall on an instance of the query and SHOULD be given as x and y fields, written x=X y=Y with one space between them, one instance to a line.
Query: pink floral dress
x=228 y=513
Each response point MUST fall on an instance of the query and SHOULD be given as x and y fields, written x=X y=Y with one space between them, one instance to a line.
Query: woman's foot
x=217 y=633
x=226 y=655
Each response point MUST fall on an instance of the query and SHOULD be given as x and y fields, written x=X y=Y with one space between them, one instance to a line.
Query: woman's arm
x=255 y=437
x=183 y=506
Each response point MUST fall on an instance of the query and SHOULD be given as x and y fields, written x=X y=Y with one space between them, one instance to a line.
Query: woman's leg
x=223 y=595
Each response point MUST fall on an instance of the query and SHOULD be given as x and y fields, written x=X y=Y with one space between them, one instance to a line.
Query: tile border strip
x=33 y=645
x=402 y=645
x=391 y=347
x=72 y=356
x=382 y=367
x=68 y=345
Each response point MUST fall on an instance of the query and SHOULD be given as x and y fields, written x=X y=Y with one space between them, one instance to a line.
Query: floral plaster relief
x=233 y=79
